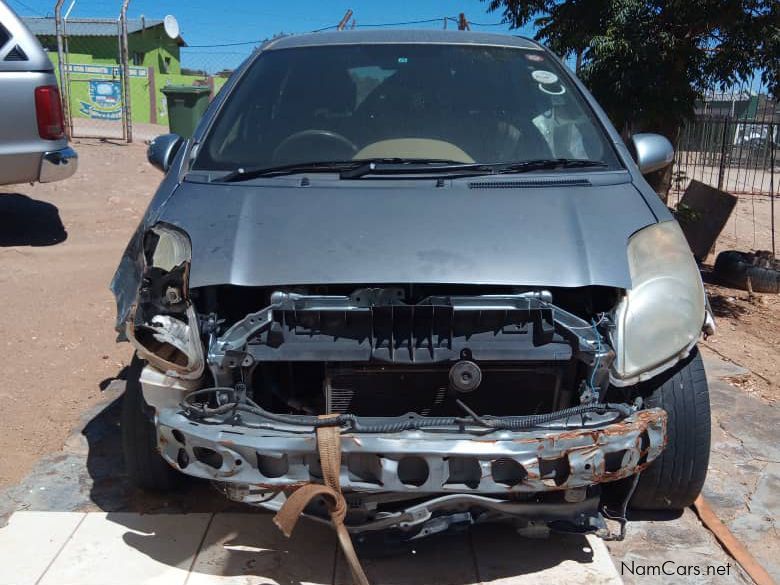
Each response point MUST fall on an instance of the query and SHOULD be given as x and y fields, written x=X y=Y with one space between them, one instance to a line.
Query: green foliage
x=647 y=61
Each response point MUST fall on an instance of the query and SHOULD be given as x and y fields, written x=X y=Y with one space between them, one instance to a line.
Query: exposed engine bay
x=456 y=404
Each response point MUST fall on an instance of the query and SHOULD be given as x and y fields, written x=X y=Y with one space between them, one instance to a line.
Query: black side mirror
x=162 y=150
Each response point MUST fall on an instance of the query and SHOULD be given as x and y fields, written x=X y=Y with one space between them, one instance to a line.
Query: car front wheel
x=145 y=467
x=675 y=478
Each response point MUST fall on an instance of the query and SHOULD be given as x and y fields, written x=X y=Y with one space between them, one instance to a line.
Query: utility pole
x=124 y=54
x=463 y=24
x=63 y=69
x=345 y=19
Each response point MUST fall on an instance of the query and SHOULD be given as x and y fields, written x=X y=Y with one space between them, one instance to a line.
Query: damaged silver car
x=437 y=244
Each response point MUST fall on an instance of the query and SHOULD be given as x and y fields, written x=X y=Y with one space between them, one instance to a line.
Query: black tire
x=676 y=477
x=145 y=467
x=734 y=268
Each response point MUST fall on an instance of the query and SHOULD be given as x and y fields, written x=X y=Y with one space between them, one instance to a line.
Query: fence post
x=722 y=169
x=64 y=86
x=772 y=184
x=152 y=95
x=125 y=65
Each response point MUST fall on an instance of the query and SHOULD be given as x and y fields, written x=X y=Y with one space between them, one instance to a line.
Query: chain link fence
x=112 y=72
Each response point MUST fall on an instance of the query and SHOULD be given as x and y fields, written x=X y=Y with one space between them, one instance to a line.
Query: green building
x=92 y=49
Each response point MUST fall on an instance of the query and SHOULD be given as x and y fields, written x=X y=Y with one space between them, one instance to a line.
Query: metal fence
x=733 y=143
x=110 y=86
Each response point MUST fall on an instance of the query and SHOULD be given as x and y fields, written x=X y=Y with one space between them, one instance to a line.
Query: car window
x=463 y=103
x=5 y=36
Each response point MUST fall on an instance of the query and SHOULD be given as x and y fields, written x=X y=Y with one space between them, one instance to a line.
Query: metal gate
x=94 y=94
x=733 y=144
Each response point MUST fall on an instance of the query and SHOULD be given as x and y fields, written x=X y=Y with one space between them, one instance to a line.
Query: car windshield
x=454 y=103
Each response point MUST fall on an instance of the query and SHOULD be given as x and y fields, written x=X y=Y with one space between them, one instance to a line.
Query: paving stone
x=31 y=541
x=248 y=549
x=129 y=549
x=435 y=560
x=506 y=558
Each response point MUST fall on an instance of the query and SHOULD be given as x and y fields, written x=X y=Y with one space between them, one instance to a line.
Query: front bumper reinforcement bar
x=417 y=461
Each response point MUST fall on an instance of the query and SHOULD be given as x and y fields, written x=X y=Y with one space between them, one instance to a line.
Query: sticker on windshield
x=536 y=58
x=543 y=76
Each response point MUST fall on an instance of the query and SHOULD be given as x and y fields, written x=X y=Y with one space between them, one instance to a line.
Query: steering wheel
x=291 y=148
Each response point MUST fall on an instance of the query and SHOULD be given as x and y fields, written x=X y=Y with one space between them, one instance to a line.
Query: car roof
x=385 y=36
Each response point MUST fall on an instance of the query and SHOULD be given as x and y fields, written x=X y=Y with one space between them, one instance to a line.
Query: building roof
x=392 y=36
x=89 y=27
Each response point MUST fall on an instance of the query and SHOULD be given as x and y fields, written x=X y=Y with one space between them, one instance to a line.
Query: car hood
x=512 y=232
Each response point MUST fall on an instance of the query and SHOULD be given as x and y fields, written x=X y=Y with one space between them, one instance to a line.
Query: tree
x=648 y=61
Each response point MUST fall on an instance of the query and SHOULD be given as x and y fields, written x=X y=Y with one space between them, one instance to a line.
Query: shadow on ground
x=28 y=222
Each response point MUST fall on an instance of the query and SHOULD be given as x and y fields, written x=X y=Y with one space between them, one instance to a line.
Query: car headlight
x=661 y=317
x=163 y=325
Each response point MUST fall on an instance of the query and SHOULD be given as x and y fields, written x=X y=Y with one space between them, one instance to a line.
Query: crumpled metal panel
x=531 y=461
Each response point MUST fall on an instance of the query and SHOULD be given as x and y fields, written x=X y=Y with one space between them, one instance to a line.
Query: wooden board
x=703 y=212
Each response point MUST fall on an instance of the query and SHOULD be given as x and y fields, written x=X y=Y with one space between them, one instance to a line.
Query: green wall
x=107 y=107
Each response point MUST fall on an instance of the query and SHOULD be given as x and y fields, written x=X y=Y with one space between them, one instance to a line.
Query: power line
x=472 y=23
x=380 y=24
x=335 y=26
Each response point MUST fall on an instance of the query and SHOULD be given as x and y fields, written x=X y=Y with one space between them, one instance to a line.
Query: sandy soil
x=748 y=334
x=59 y=246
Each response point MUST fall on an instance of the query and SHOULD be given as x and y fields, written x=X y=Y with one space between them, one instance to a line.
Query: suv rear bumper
x=417 y=462
x=58 y=165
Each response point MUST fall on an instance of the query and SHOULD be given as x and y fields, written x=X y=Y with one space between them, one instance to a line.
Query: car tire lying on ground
x=144 y=465
x=673 y=481
x=734 y=268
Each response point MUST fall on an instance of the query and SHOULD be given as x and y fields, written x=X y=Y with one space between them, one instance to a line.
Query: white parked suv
x=33 y=145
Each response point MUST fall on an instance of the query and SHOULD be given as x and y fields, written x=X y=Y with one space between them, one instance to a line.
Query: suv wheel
x=675 y=478
x=144 y=465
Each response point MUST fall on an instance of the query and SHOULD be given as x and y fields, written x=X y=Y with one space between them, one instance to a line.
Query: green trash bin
x=186 y=106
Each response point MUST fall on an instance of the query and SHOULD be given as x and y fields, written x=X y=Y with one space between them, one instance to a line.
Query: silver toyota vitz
x=33 y=145
x=437 y=244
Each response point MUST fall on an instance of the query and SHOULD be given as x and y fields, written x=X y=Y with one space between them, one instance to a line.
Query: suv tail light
x=48 y=109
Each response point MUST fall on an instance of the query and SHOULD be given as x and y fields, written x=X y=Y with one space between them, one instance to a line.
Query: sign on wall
x=105 y=100
x=113 y=70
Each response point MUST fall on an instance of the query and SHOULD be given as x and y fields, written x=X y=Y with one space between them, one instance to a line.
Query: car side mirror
x=162 y=150
x=651 y=152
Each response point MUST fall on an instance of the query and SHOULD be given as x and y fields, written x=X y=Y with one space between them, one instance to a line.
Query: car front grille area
x=503 y=390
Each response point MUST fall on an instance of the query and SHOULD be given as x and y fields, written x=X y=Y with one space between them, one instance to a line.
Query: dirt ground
x=59 y=246
x=748 y=335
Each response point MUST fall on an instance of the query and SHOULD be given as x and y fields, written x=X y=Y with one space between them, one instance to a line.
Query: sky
x=204 y=22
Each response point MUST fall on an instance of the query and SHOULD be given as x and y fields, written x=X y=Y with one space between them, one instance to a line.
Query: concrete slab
x=446 y=558
x=659 y=550
x=31 y=541
x=505 y=558
x=129 y=549
x=247 y=549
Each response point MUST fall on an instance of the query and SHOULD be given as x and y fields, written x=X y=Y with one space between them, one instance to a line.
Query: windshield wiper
x=541 y=164
x=249 y=173
x=355 y=169
x=405 y=166
x=417 y=166
x=349 y=169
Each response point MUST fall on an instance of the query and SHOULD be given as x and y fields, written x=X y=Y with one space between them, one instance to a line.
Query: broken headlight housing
x=163 y=325
x=661 y=317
